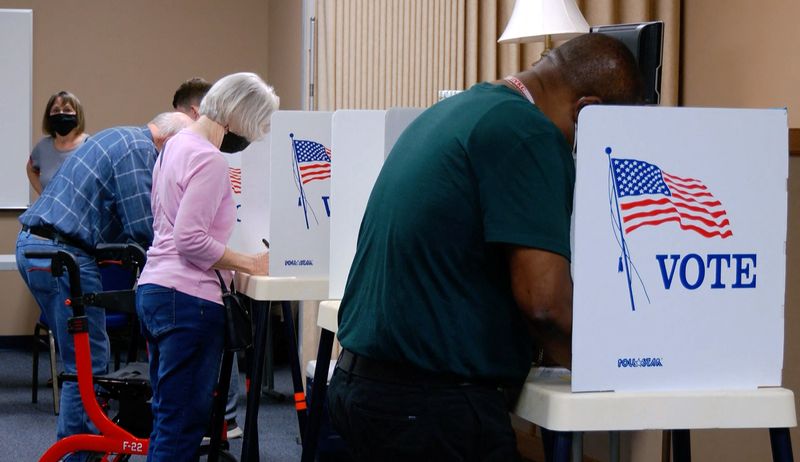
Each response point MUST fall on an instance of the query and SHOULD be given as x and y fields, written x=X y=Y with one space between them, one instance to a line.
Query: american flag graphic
x=313 y=160
x=236 y=179
x=649 y=196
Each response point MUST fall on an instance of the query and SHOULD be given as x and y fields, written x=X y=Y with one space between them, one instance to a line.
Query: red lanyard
x=519 y=86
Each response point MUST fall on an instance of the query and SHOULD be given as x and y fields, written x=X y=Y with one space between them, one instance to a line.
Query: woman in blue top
x=63 y=124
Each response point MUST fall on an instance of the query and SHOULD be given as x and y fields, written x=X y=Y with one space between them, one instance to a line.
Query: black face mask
x=232 y=142
x=63 y=123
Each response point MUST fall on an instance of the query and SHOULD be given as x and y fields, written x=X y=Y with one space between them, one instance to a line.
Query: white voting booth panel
x=300 y=171
x=397 y=120
x=361 y=141
x=16 y=56
x=249 y=173
x=679 y=256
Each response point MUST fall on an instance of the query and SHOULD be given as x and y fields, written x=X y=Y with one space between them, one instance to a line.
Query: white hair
x=243 y=103
x=170 y=123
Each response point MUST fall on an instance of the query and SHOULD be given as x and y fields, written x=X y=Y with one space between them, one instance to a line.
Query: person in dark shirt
x=462 y=261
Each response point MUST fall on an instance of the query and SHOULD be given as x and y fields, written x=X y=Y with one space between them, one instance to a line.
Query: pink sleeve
x=206 y=182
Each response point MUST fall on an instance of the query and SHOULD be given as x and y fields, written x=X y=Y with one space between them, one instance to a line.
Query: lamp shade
x=532 y=20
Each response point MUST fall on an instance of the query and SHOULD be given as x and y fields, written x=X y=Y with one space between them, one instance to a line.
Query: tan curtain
x=375 y=54
x=383 y=53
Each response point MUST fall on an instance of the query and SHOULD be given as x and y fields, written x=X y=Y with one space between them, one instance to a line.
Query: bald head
x=599 y=65
x=166 y=124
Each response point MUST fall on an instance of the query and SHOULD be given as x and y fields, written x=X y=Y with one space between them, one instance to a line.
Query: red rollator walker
x=125 y=434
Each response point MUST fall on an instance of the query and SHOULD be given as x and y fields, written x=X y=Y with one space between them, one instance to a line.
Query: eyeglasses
x=62 y=110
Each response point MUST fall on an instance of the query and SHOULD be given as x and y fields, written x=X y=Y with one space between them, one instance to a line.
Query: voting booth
x=249 y=171
x=679 y=248
x=361 y=141
x=300 y=192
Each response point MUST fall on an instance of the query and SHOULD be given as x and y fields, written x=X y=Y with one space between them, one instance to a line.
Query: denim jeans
x=50 y=293
x=417 y=422
x=185 y=337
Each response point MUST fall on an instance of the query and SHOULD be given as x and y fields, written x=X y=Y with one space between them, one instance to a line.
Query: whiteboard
x=16 y=56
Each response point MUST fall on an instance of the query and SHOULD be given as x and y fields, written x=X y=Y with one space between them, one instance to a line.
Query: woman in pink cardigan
x=179 y=299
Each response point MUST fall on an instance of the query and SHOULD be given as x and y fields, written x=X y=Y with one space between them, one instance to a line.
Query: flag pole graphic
x=621 y=232
x=299 y=180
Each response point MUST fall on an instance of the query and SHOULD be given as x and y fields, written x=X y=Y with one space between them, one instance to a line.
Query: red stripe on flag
x=321 y=176
x=235 y=175
x=673 y=210
x=310 y=166
x=701 y=231
x=646 y=202
x=677 y=178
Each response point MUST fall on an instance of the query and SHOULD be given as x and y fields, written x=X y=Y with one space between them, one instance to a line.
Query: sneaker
x=234 y=430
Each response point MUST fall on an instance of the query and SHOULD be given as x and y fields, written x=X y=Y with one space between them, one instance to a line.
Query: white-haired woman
x=179 y=299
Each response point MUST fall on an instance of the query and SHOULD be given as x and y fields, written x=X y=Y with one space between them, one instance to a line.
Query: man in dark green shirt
x=463 y=257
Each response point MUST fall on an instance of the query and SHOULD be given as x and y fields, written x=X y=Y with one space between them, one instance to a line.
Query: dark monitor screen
x=645 y=40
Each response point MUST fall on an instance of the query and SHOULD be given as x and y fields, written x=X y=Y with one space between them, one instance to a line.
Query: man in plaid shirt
x=100 y=195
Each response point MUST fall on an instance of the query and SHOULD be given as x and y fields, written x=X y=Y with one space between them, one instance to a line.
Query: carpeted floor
x=27 y=430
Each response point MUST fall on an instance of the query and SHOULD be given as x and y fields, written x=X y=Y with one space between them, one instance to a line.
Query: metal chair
x=43 y=337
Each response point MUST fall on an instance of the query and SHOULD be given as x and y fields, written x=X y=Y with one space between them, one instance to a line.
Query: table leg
x=666 y=442
x=556 y=445
x=220 y=400
x=294 y=360
x=317 y=395
x=781 y=444
x=681 y=446
x=250 y=450
x=577 y=446
x=613 y=446
x=561 y=446
x=269 y=364
x=548 y=438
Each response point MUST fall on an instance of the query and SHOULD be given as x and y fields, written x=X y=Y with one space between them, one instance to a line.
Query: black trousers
x=383 y=421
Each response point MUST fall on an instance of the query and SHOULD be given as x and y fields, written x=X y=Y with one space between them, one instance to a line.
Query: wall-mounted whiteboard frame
x=16 y=90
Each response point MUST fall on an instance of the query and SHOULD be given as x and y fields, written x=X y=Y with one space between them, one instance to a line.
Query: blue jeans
x=185 y=335
x=50 y=293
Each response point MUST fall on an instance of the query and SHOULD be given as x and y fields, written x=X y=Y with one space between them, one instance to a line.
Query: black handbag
x=238 y=323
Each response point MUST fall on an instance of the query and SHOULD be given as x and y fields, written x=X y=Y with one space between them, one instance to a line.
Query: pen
x=266 y=242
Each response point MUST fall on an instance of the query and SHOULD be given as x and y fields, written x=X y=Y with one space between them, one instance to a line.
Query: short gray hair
x=170 y=123
x=243 y=103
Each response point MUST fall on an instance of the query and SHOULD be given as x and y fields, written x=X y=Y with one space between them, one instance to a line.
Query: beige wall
x=741 y=53
x=286 y=53
x=124 y=61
